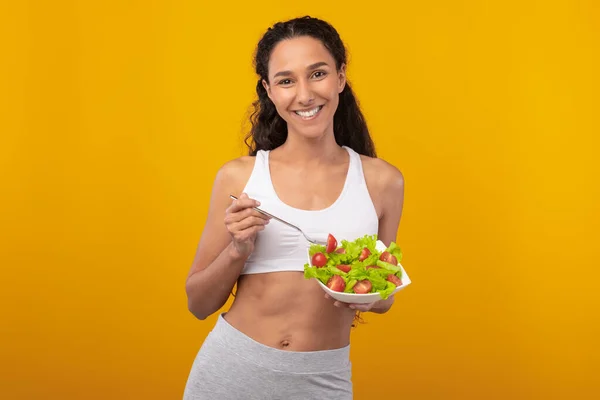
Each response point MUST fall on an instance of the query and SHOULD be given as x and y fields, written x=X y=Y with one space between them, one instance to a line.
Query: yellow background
x=115 y=116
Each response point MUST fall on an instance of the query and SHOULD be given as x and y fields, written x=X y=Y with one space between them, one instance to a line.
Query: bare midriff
x=284 y=310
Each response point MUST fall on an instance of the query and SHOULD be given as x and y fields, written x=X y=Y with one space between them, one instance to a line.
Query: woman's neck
x=300 y=150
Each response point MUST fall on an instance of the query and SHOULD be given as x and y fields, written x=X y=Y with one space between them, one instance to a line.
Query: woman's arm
x=390 y=197
x=226 y=242
x=386 y=186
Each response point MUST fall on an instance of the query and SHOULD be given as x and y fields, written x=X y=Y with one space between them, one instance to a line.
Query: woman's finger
x=358 y=307
x=362 y=307
x=241 y=215
x=340 y=304
x=245 y=234
x=248 y=223
x=242 y=203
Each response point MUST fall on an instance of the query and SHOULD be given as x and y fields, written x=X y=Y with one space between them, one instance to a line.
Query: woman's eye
x=285 y=82
x=319 y=74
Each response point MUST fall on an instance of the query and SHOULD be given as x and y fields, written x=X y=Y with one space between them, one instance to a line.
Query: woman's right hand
x=244 y=223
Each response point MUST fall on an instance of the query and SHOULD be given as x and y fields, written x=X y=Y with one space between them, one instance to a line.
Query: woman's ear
x=267 y=88
x=342 y=78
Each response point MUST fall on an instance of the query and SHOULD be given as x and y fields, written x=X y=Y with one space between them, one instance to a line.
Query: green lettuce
x=354 y=248
x=349 y=285
x=377 y=276
x=323 y=274
x=395 y=251
x=385 y=293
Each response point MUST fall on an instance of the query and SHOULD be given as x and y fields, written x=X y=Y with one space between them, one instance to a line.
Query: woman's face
x=304 y=85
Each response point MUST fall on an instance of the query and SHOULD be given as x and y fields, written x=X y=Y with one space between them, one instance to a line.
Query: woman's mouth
x=309 y=114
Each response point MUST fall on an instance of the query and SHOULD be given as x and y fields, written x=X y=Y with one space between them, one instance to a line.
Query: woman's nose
x=305 y=95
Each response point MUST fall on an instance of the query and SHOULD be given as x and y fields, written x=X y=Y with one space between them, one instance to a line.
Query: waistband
x=275 y=359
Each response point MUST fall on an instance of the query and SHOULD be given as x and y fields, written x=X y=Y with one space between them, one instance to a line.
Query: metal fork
x=311 y=240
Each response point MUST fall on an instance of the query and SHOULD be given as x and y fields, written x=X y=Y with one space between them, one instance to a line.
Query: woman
x=312 y=163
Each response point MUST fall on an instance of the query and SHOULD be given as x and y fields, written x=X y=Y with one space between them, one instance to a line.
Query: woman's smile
x=309 y=114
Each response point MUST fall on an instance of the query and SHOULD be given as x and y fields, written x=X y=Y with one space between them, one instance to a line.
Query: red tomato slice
x=319 y=260
x=343 y=267
x=341 y=250
x=331 y=243
x=388 y=258
x=364 y=254
x=362 y=287
x=371 y=266
x=336 y=283
x=394 y=279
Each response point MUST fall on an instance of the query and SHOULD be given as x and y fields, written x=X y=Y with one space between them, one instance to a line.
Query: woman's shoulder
x=238 y=164
x=382 y=174
x=236 y=172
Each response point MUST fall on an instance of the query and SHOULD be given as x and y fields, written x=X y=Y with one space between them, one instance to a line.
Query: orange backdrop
x=116 y=115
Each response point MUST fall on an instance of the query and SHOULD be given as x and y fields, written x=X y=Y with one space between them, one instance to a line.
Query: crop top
x=282 y=248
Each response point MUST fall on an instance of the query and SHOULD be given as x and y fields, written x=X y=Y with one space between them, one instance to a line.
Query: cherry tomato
x=362 y=287
x=331 y=243
x=364 y=254
x=336 y=283
x=343 y=267
x=319 y=260
x=394 y=279
x=388 y=258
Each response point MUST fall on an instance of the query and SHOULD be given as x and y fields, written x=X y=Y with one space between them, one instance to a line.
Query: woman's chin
x=310 y=132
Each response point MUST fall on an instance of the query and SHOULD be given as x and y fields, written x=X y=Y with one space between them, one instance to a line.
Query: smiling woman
x=304 y=93
x=311 y=162
x=302 y=73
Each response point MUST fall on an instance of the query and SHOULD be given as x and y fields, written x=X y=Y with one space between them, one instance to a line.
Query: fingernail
x=257 y=203
x=352 y=307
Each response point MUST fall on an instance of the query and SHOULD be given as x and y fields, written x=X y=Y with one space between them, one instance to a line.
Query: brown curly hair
x=269 y=130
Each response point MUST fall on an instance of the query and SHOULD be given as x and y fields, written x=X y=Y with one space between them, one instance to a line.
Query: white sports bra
x=282 y=248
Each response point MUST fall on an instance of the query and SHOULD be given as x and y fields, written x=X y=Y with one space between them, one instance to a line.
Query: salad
x=356 y=267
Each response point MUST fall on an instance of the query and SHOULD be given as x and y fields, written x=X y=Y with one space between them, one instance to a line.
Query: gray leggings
x=232 y=366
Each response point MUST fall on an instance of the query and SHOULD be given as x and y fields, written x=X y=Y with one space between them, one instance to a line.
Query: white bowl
x=354 y=298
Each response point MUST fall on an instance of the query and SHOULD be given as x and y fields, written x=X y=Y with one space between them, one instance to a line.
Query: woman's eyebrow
x=317 y=65
x=312 y=66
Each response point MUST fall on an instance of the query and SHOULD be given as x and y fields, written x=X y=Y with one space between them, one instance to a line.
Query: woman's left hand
x=379 y=306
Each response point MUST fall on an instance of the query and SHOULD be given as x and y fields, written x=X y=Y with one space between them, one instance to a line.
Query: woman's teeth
x=310 y=113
